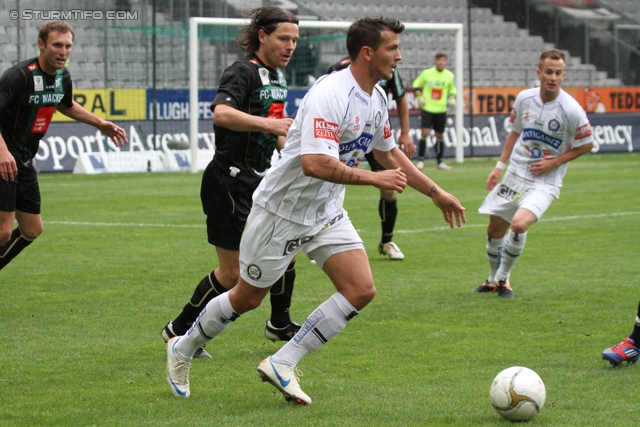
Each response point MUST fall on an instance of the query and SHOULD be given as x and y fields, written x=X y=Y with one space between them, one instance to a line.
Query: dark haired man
x=299 y=206
x=249 y=122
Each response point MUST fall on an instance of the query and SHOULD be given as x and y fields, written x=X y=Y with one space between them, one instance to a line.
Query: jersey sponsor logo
x=42 y=119
x=530 y=134
x=325 y=130
x=309 y=325
x=38 y=83
x=513 y=116
x=264 y=75
x=583 y=132
x=292 y=245
x=276 y=111
x=362 y=99
x=253 y=61
x=436 y=94
x=351 y=153
x=32 y=67
x=554 y=125
x=387 y=130
x=274 y=93
x=356 y=127
x=58 y=83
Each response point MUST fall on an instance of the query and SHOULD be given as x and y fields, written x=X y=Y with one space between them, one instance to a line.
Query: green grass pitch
x=82 y=308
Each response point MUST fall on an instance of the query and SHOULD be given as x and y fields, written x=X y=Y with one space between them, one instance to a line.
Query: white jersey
x=338 y=119
x=546 y=130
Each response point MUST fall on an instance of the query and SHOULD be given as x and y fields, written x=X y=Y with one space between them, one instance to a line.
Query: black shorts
x=21 y=194
x=435 y=121
x=375 y=166
x=226 y=201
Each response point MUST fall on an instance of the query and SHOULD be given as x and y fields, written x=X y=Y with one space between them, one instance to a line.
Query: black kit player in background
x=249 y=123
x=30 y=92
x=388 y=206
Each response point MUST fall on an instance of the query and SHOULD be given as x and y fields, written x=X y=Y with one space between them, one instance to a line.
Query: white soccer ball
x=517 y=393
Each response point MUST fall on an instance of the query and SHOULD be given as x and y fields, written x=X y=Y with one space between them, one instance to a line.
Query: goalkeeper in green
x=435 y=89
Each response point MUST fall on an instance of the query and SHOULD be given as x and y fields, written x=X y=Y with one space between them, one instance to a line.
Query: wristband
x=500 y=165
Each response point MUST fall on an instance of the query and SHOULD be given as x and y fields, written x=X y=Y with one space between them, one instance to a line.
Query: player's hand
x=117 y=134
x=450 y=207
x=391 y=179
x=8 y=167
x=493 y=178
x=451 y=102
x=406 y=141
x=541 y=167
x=421 y=101
x=279 y=127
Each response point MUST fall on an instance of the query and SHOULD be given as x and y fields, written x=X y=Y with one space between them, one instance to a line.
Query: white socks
x=513 y=247
x=213 y=319
x=495 y=247
x=323 y=324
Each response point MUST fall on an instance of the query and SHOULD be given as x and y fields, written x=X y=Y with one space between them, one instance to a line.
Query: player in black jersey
x=388 y=206
x=249 y=123
x=30 y=92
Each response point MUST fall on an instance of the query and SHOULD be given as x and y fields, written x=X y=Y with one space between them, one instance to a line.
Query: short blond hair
x=551 y=53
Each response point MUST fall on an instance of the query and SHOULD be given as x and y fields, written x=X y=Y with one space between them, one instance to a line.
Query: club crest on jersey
x=376 y=122
x=38 y=83
x=325 y=130
x=264 y=75
x=531 y=134
x=554 y=125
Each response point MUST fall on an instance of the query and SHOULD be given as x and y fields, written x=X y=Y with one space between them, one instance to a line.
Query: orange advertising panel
x=499 y=100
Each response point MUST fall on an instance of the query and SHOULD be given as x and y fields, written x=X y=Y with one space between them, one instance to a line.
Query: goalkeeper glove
x=451 y=102
x=421 y=101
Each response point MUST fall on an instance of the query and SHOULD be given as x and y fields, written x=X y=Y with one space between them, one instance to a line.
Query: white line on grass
x=420 y=230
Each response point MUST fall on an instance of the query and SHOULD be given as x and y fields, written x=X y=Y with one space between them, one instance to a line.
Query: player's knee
x=5 y=236
x=388 y=195
x=229 y=277
x=32 y=231
x=519 y=227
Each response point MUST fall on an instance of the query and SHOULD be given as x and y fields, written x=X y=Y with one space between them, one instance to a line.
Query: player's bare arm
x=447 y=203
x=8 y=167
x=228 y=117
x=544 y=166
x=330 y=169
x=77 y=112
x=494 y=176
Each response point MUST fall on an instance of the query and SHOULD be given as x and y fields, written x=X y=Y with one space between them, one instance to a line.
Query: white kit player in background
x=298 y=206
x=548 y=129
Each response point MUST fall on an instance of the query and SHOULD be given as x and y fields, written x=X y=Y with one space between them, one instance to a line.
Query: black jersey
x=393 y=85
x=28 y=99
x=253 y=88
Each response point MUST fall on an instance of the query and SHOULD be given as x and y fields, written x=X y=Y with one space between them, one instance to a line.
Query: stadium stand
x=119 y=53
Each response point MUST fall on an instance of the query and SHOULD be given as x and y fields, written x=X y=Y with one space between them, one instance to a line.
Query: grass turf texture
x=82 y=308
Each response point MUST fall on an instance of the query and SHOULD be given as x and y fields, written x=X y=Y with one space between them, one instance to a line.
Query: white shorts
x=512 y=194
x=270 y=242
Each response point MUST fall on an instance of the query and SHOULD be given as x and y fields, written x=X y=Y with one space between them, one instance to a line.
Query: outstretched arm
x=447 y=203
x=77 y=112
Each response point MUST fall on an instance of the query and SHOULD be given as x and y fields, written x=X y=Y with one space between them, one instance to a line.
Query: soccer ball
x=517 y=393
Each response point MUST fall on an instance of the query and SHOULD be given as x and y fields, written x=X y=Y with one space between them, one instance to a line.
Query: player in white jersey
x=298 y=206
x=548 y=129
